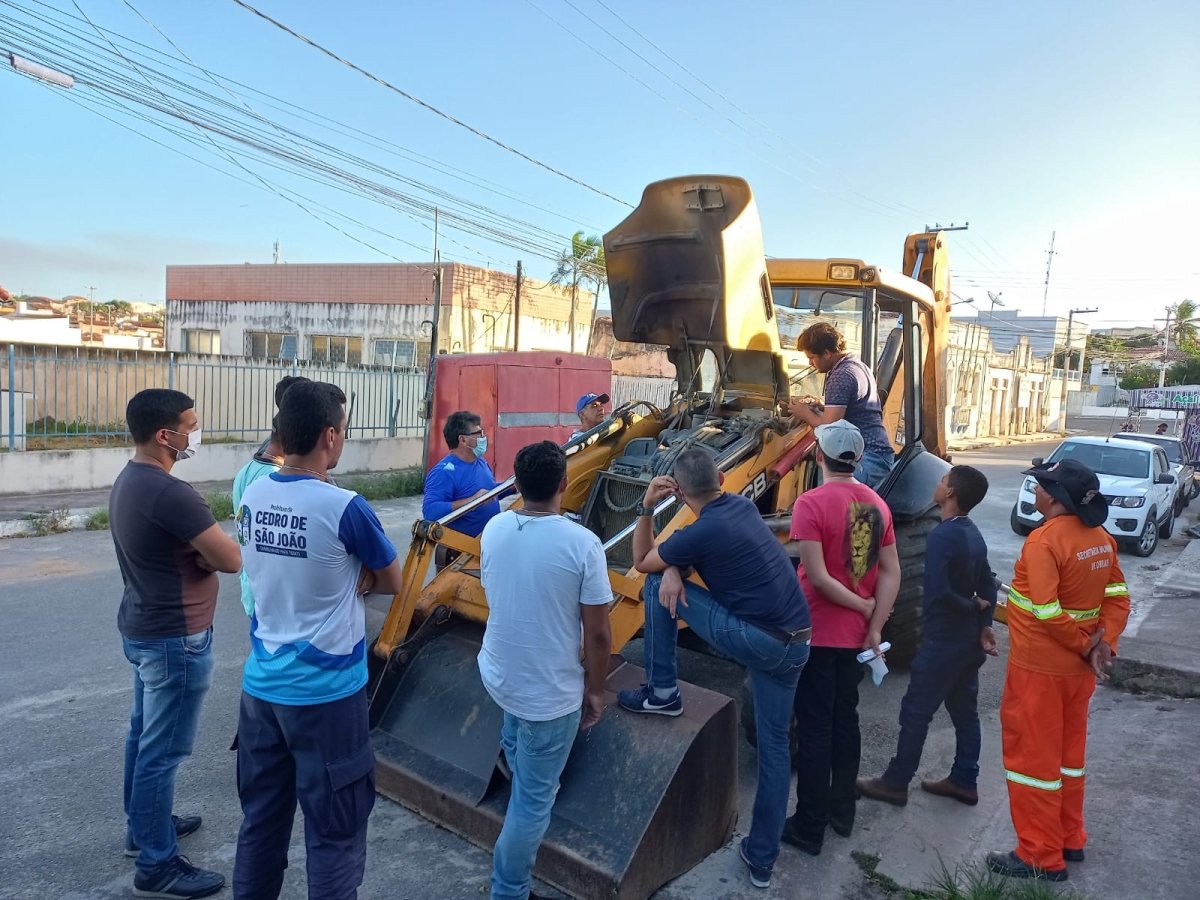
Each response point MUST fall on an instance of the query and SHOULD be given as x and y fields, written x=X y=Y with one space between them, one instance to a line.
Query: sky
x=855 y=123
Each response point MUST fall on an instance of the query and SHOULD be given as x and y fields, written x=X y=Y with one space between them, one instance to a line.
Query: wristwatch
x=644 y=510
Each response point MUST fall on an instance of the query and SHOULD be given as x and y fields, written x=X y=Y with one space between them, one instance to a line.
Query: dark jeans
x=829 y=741
x=943 y=672
x=774 y=668
x=320 y=755
x=170 y=678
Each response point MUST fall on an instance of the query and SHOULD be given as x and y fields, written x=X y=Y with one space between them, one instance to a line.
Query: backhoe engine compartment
x=617 y=491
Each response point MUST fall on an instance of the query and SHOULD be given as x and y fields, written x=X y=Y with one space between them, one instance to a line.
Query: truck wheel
x=904 y=627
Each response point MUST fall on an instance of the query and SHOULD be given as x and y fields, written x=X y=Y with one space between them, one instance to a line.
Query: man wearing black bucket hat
x=1067 y=606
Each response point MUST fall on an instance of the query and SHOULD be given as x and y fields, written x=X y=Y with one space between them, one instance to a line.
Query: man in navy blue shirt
x=753 y=610
x=462 y=476
x=850 y=394
x=960 y=594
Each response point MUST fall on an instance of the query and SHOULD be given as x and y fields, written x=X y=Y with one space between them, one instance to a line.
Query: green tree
x=1141 y=376
x=580 y=264
x=1186 y=371
x=119 y=307
x=1185 y=325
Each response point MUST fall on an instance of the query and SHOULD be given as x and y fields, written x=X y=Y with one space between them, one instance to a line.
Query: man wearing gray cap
x=850 y=573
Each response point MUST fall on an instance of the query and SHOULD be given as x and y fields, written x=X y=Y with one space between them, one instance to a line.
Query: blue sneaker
x=759 y=877
x=184 y=825
x=643 y=700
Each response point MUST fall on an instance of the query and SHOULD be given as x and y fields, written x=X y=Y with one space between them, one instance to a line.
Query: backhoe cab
x=643 y=801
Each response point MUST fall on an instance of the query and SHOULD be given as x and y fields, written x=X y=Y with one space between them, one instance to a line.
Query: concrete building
x=370 y=313
x=31 y=326
x=1046 y=334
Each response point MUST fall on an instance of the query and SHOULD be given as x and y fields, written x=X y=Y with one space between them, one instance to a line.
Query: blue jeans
x=943 y=672
x=536 y=753
x=170 y=678
x=875 y=466
x=774 y=668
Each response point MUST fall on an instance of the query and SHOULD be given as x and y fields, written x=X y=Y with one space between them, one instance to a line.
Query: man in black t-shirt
x=169 y=549
x=753 y=610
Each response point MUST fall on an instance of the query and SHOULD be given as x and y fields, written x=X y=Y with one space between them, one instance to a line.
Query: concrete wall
x=34 y=329
x=54 y=471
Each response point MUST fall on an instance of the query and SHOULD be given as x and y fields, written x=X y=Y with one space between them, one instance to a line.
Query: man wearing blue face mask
x=462 y=476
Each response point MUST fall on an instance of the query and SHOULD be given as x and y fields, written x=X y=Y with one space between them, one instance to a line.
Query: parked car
x=1181 y=465
x=1136 y=478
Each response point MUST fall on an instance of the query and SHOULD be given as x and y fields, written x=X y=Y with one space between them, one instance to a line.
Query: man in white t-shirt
x=546 y=581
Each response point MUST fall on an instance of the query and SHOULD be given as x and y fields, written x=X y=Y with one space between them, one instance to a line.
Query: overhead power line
x=428 y=106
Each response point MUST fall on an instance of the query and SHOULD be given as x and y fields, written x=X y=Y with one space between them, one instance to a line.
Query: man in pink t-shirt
x=850 y=573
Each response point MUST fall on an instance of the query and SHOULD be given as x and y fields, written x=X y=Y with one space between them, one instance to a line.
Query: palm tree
x=1185 y=325
x=580 y=263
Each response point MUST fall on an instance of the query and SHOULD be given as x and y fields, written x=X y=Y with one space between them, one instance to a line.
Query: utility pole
x=1049 y=260
x=1067 y=367
x=431 y=374
x=1162 y=366
x=275 y=258
x=517 y=311
x=574 y=299
x=92 y=306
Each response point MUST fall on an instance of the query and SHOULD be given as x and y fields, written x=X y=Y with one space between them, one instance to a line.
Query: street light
x=39 y=71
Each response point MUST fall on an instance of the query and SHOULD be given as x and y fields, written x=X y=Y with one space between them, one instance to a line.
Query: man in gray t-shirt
x=850 y=394
x=169 y=549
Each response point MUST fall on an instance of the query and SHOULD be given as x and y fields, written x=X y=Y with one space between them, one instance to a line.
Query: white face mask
x=193 y=439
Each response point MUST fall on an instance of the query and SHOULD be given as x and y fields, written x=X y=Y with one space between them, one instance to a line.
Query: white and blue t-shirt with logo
x=304 y=543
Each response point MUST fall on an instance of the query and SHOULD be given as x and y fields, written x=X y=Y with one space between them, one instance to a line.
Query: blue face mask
x=480 y=447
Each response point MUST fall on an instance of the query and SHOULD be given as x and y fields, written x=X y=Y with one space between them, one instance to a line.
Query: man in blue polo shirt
x=753 y=610
x=310 y=550
x=462 y=476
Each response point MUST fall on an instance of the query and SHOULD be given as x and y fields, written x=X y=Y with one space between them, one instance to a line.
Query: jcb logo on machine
x=756 y=488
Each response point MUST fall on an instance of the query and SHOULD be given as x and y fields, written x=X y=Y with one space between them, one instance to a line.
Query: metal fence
x=61 y=398
x=70 y=398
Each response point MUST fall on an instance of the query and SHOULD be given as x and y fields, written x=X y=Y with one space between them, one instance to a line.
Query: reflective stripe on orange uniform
x=1067 y=584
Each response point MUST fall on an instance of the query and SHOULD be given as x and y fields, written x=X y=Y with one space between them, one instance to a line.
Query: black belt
x=788 y=637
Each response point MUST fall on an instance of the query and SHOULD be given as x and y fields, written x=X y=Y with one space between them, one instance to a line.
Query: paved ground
x=64 y=705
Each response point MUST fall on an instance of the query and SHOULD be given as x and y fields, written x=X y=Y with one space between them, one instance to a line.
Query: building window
x=335 y=349
x=270 y=345
x=198 y=340
x=408 y=354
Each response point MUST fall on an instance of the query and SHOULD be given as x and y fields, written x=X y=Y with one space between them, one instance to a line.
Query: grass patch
x=401 y=483
x=98 y=520
x=47 y=521
x=974 y=882
x=221 y=504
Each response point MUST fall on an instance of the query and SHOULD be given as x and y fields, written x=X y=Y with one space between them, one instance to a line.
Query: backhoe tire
x=905 y=626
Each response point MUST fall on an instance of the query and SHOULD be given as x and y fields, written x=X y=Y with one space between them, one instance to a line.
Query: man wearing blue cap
x=590 y=410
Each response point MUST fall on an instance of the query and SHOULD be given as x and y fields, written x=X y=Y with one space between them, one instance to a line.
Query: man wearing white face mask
x=169 y=549
x=464 y=475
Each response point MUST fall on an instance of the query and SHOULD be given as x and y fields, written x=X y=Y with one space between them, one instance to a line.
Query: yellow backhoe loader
x=643 y=801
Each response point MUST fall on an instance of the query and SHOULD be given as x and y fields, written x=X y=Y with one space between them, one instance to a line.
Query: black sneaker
x=184 y=825
x=1012 y=866
x=177 y=880
x=791 y=835
x=759 y=877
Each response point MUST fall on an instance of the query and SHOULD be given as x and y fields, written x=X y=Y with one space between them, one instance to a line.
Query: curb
x=1138 y=677
x=73 y=520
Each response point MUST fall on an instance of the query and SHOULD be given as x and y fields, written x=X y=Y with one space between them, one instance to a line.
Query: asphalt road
x=64 y=705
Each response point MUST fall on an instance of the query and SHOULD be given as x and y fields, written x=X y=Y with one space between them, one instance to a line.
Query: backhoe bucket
x=642 y=798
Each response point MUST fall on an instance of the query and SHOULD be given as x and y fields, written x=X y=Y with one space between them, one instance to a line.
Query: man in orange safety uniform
x=1067 y=606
